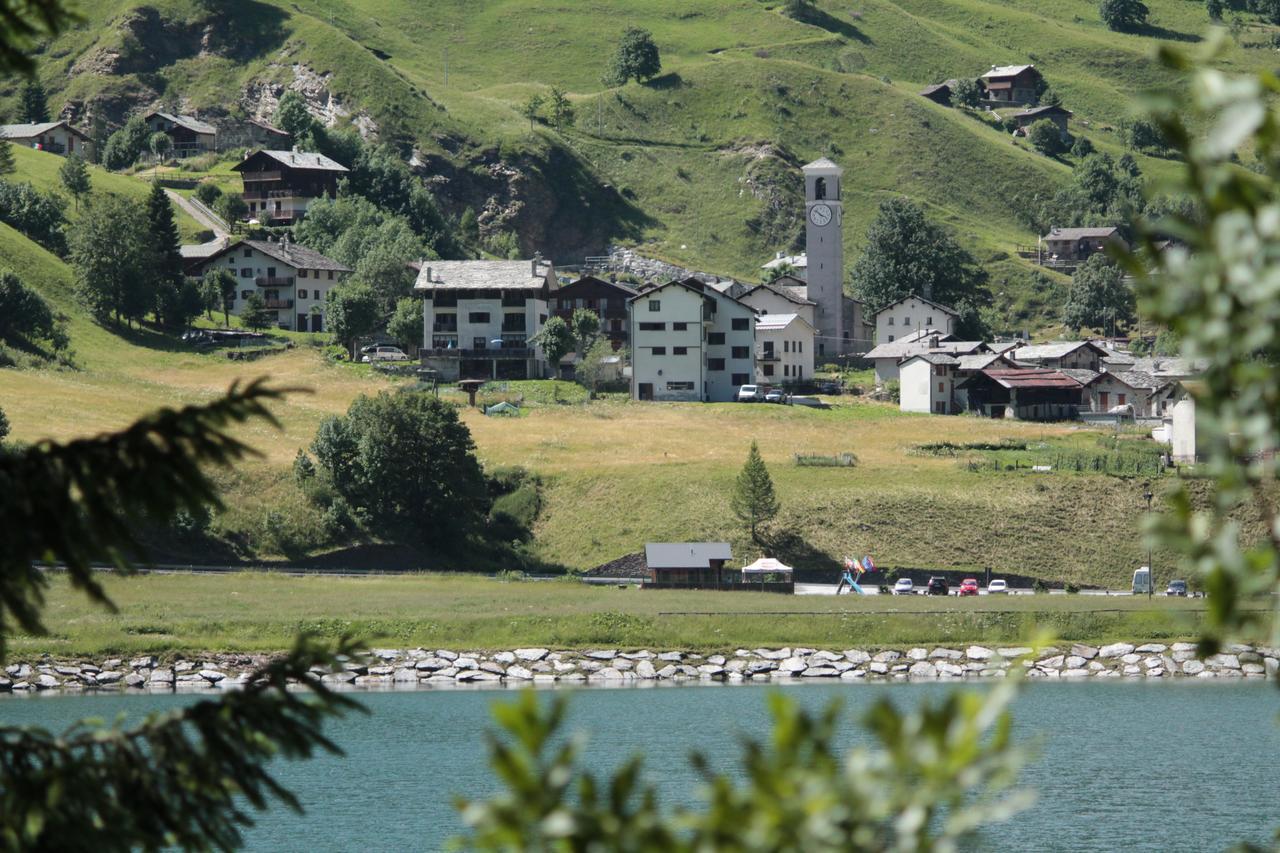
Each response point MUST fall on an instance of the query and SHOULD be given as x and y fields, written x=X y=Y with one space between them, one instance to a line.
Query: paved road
x=214 y=225
x=830 y=589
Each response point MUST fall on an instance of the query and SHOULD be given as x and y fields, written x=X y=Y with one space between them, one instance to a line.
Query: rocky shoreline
x=424 y=668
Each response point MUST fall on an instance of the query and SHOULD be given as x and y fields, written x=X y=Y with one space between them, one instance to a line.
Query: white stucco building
x=56 y=137
x=690 y=342
x=912 y=314
x=775 y=299
x=927 y=383
x=293 y=280
x=784 y=349
x=478 y=317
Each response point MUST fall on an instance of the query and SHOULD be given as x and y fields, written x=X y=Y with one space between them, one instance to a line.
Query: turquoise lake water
x=1120 y=766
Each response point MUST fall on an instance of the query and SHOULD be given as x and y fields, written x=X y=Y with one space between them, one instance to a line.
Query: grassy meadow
x=264 y=612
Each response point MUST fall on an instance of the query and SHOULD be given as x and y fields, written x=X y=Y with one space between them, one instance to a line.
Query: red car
x=969 y=586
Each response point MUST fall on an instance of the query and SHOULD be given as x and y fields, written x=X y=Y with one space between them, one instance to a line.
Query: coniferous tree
x=255 y=314
x=166 y=274
x=74 y=175
x=7 y=164
x=754 y=501
x=35 y=107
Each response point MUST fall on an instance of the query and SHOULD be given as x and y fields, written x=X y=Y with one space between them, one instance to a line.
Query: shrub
x=1040 y=586
x=1046 y=137
x=1123 y=15
x=1072 y=588
x=208 y=193
x=893 y=389
x=36 y=215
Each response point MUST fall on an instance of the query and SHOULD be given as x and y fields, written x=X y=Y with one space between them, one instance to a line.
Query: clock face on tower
x=820 y=214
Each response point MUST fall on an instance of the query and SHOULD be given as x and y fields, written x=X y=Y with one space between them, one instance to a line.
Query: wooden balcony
x=274 y=281
x=279 y=304
x=256 y=177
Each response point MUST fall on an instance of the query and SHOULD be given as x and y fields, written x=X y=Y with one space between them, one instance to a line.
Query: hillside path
x=213 y=224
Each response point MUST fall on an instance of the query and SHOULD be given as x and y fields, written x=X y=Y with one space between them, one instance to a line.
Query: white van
x=1142 y=581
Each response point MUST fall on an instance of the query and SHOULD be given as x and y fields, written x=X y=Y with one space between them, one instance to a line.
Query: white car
x=998 y=587
x=775 y=396
x=904 y=586
x=385 y=354
x=750 y=394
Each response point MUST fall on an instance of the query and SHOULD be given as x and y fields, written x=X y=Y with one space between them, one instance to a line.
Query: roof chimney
x=427 y=270
x=537 y=259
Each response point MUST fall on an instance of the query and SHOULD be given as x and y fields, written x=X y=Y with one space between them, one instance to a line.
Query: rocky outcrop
x=261 y=98
x=414 y=668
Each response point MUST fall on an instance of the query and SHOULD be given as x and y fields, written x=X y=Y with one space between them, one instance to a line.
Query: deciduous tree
x=1123 y=15
x=24 y=315
x=406 y=463
x=556 y=339
x=586 y=328
x=636 y=57
x=754 y=501
x=1046 y=137
x=219 y=291
x=405 y=325
x=966 y=93
x=293 y=117
x=74 y=175
x=532 y=109
x=1098 y=297
x=351 y=310
x=110 y=250
x=562 y=114
x=126 y=145
x=35 y=214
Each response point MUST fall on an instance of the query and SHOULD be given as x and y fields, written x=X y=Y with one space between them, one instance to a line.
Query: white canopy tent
x=766 y=566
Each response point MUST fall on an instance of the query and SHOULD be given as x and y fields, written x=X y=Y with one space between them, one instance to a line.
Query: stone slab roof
x=191 y=123
x=685 y=555
x=482 y=275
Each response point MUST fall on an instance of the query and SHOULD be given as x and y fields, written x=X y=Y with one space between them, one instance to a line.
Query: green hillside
x=687 y=164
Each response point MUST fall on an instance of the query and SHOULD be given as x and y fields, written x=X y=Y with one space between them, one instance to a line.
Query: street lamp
x=1151 y=575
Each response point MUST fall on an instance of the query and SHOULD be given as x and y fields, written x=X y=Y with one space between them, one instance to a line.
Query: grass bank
x=263 y=612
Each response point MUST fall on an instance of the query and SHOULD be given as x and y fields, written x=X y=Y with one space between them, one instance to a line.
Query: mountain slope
x=698 y=165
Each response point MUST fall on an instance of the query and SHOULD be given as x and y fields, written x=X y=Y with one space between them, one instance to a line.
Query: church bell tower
x=824 y=247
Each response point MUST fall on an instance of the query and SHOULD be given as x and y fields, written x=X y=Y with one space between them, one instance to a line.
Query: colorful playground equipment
x=852 y=567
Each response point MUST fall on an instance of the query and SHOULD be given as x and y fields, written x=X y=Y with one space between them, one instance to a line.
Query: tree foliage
x=1098 y=297
x=126 y=145
x=585 y=325
x=406 y=464
x=35 y=107
x=218 y=290
x=374 y=242
x=562 y=114
x=185 y=779
x=593 y=367
x=907 y=254
x=352 y=312
x=925 y=780
x=35 y=214
x=1218 y=297
x=636 y=57
x=7 y=163
x=23 y=25
x=110 y=250
x=966 y=93
x=556 y=339
x=74 y=175
x=1101 y=192
x=255 y=314
x=1123 y=15
x=166 y=271
x=405 y=325
x=25 y=318
x=1046 y=137
x=293 y=117
x=532 y=109
x=384 y=178
x=754 y=501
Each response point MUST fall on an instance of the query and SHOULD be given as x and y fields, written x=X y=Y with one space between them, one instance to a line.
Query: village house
x=478 y=317
x=927 y=383
x=1148 y=396
x=690 y=342
x=912 y=314
x=1077 y=245
x=1077 y=355
x=1023 y=394
x=263 y=135
x=1012 y=84
x=56 y=137
x=795 y=264
x=1055 y=114
x=280 y=185
x=940 y=93
x=607 y=299
x=784 y=349
x=887 y=357
x=773 y=298
x=188 y=134
x=293 y=280
x=687 y=565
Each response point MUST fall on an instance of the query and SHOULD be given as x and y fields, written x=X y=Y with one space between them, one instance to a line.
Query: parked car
x=829 y=388
x=1177 y=588
x=385 y=354
x=998 y=587
x=775 y=396
x=904 y=586
x=969 y=586
x=750 y=394
x=370 y=348
x=938 y=586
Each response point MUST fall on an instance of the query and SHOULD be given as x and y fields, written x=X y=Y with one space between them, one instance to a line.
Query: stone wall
x=415 y=668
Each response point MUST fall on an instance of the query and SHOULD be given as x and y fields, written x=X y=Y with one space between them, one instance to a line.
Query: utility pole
x=1151 y=573
x=446 y=65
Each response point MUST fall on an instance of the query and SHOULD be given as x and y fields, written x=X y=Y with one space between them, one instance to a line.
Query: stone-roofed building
x=608 y=299
x=940 y=93
x=912 y=314
x=1051 y=112
x=479 y=317
x=56 y=137
x=1012 y=84
x=927 y=383
x=189 y=134
x=1149 y=396
x=1084 y=355
x=1074 y=246
x=1023 y=393
x=887 y=357
x=279 y=186
x=294 y=280
x=773 y=299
